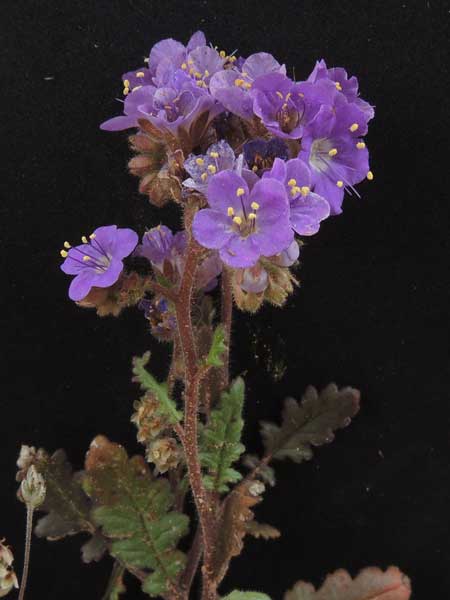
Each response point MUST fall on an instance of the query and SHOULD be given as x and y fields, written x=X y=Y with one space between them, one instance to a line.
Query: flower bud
x=33 y=489
x=149 y=424
x=26 y=457
x=165 y=453
x=8 y=579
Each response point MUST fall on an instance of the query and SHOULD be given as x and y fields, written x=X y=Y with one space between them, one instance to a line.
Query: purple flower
x=98 y=261
x=286 y=107
x=134 y=80
x=307 y=208
x=288 y=257
x=254 y=279
x=171 y=52
x=338 y=158
x=159 y=245
x=201 y=168
x=348 y=86
x=231 y=86
x=244 y=225
x=260 y=154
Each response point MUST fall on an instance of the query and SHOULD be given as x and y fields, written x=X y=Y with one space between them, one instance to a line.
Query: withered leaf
x=262 y=530
x=370 y=584
x=310 y=423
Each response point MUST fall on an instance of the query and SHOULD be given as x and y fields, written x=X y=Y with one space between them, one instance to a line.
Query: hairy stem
x=26 y=560
x=226 y=317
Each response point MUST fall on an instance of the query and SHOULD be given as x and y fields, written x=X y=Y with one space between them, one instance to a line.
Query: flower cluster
x=267 y=157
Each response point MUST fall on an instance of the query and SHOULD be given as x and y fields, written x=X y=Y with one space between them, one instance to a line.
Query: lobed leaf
x=168 y=407
x=262 y=530
x=370 y=584
x=220 y=444
x=310 y=423
x=218 y=347
x=135 y=512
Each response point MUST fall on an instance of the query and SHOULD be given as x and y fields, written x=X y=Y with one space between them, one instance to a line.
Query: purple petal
x=261 y=63
x=168 y=49
x=119 y=123
x=307 y=212
x=222 y=191
x=211 y=228
x=80 y=286
x=240 y=252
x=197 y=39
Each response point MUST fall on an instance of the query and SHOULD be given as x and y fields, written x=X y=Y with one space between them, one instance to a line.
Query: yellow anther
x=360 y=145
x=201 y=83
x=203 y=176
x=247 y=85
x=239 y=82
x=284 y=107
x=67 y=245
x=370 y=175
x=86 y=258
x=84 y=240
x=340 y=183
x=64 y=253
x=92 y=236
x=140 y=74
x=232 y=59
x=214 y=154
x=254 y=205
x=136 y=87
x=230 y=211
x=295 y=190
x=126 y=83
x=353 y=127
x=305 y=190
x=240 y=192
x=190 y=62
x=146 y=60
x=251 y=216
x=279 y=94
x=212 y=168
x=184 y=66
x=199 y=161
x=288 y=95
x=197 y=75
x=244 y=73
x=191 y=71
x=254 y=168
x=333 y=152
x=301 y=94
x=222 y=54
x=338 y=86
x=126 y=91
x=292 y=182
x=206 y=74
x=237 y=220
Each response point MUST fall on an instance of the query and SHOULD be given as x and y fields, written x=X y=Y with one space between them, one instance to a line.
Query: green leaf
x=370 y=584
x=65 y=502
x=135 y=512
x=220 y=444
x=238 y=595
x=218 y=347
x=168 y=407
x=310 y=423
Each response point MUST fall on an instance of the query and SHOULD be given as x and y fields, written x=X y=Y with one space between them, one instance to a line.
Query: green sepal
x=220 y=444
x=168 y=407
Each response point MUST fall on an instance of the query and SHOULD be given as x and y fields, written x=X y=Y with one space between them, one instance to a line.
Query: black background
x=371 y=312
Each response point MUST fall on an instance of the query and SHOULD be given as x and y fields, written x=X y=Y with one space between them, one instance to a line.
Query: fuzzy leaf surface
x=220 y=444
x=134 y=510
x=370 y=584
x=311 y=422
x=168 y=407
x=262 y=530
x=218 y=347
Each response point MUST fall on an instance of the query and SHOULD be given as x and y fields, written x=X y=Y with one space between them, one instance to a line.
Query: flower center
x=288 y=115
x=92 y=255
x=244 y=223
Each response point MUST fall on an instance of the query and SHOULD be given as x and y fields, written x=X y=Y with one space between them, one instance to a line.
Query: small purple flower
x=288 y=257
x=254 y=279
x=231 y=87
x=171 y=52
x=286 y=107
x=308 y=209
x=348 y=86
x=260 y=154
x=337 y=157
x=134 y=80
x=159 y=245
x=218 y=157
x=98 y=261
x=244 y=225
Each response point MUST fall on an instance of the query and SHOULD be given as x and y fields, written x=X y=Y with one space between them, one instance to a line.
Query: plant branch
x=26 y=560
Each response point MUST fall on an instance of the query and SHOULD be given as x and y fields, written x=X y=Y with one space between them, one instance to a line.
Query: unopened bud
x=33 y=488
x=26 y=456
x=165 y=453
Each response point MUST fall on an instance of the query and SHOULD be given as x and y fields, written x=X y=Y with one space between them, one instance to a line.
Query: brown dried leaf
x=262 y=530
x=370 y=584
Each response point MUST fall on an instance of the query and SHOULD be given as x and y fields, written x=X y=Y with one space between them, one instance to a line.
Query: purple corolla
x=98 y=261
x=242 y=224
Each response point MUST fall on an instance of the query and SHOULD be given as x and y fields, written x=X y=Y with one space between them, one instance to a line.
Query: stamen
x=333 y=152
x=64 y=253
x=126 y=91
x=86 y=258
x=140 y=74
x=254 y=168
x=279 y=94
x=254 y=205
x=214 y=154
x=338 y=86
x=92 y=236
x=292 y=182
x=206 y=74
x=212 y=168
x=203 y=176
x=240 y=192
x=84 y=240
x=230 y=211
x=295 y=190
x=126 y=83
x=340 y=183
x=239 y=82
x=288 y=95
x=305 y=190
x=190 y=62
x=136 y=87
x=184 y=66
x=370 y=175
x=251 y=216
x=67 y=245
x=237 y=220
x=360 y=145
x=222 y=54
x=353 y=127
x=247 y=85
x=199 y=161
